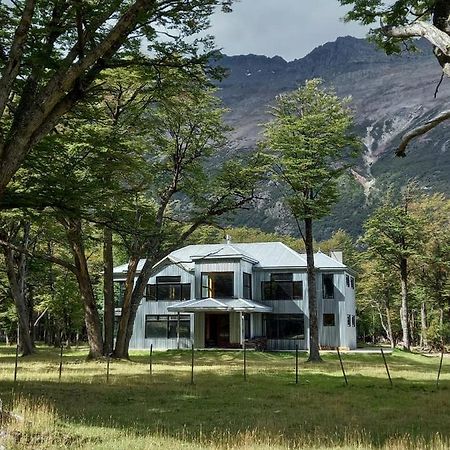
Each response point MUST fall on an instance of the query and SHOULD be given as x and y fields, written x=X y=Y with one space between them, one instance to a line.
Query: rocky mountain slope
x=390 y=94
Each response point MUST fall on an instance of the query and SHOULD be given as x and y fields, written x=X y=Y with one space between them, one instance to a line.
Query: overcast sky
x=288 y=28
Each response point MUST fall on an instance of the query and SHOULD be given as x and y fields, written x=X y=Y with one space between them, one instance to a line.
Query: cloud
x=287 y=28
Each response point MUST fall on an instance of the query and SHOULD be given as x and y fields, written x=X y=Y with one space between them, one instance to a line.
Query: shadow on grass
x=269 y=402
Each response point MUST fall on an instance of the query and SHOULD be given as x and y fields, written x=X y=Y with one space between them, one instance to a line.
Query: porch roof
x=213 y=304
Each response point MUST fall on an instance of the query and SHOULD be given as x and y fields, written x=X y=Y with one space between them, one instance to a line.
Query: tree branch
x=420 y=130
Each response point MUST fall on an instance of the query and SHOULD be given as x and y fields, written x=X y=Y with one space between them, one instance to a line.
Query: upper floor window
x=328 y=285
x=218 y=285
x=168 y=289
x=282 y=287
x=247 y=288
x=352 y=282
x=347 y=280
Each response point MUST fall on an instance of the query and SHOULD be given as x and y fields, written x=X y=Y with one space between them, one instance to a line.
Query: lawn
x=136 y=410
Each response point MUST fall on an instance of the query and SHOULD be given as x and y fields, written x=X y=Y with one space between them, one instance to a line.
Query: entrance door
x=217 y=330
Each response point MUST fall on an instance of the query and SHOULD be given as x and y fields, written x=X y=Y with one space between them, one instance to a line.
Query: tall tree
x=394 y=236
x=51 y=52
x=400 y=22
x=310 y=137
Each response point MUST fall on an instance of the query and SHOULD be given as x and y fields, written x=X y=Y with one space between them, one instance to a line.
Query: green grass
x=222 y=410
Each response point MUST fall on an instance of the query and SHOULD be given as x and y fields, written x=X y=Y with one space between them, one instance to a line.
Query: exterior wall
x=350 y=305
x=138 y=340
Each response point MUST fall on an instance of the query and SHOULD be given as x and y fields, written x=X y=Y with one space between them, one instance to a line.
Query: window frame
x=169 y=320
x=208 y=287
x=152 y=292
x=329 y=316
x=280 y=279
x=247 y=288
x=326 y=295
x=277 y=319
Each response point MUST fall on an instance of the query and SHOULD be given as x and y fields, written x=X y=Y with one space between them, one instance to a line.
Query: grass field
x=221 y=409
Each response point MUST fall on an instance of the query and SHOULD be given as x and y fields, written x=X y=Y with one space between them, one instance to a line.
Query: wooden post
x=342 y=366
x=192 y=365
x=107 y=367
x=440 y=367
x=245 y=361
x=61 y=361
x=178 y=331
x=296 y=364
x=385 y=365
x=150 y=359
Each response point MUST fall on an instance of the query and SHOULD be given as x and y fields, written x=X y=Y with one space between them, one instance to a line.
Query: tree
x=401 y=22
x=394 y=236
x=310 y=136
x=52 y=51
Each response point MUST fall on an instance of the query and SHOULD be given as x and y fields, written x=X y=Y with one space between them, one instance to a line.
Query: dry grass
x=221 y=410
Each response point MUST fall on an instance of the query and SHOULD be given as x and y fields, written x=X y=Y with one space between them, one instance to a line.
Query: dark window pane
x=247 y=326
x=353 y=321
x=266 y=290
x=282 y=290
x=169 y=292
x=185 y=327
x=328 y=320
x=349 y=320
x=328 y=285
x=185 y=292
x=247 y=286
x=284 y=326
x=173 y=280
x=218 y=285
x=347 y=280
x=119 y=291
x=156 y=326
x=151 y=292
x=206 y=291
x=352 y=281
x=298 y=290
x=281 y=277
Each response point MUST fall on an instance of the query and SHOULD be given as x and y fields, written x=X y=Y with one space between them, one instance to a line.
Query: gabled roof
x=214 y=304
x=263 y=255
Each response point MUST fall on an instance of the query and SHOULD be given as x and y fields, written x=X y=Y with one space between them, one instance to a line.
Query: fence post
x=61 y=361
x=342 y=366
x=440 y=367
x=245 y=361
x=192 y=365
x=296 y=364
x=150 y=360
x=107 y=367
x=385 y=365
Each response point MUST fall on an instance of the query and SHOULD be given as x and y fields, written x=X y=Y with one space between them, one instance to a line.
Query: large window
x=247 y=291
x=218 y=285
x=328 y=285
x=329 y=320
x=168 y=289
x=162 y=326
x=285 y=326
x=282 y=287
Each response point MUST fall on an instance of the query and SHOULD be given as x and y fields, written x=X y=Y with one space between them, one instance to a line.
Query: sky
x=287 y=28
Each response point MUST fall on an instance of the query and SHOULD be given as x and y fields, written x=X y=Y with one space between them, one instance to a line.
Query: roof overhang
x=217 y=305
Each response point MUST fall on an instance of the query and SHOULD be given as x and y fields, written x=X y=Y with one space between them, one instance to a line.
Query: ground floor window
x=285 y=326
x=165 y=327
x=329 y=320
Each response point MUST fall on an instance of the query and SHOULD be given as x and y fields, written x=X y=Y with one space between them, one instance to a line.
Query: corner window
x=119 y=292
x=349 y=320
x=168 y=289
x=328 y=320
x=285 y=326
x=352 y=282
x=347 y=280
x=353 y=321
x=282 y=287
x=247 y=288
x=328 y=285
x=165 y=327
x=218 y=285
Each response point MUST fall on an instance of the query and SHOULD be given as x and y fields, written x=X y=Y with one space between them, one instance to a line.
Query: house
x=221 y=295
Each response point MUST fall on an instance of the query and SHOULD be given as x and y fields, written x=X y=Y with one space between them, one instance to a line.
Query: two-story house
x=221 y=295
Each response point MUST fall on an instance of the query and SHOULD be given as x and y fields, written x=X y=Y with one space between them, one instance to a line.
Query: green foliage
x=310 y=136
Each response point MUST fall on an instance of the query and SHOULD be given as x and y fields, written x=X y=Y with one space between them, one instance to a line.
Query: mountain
x=390 y=95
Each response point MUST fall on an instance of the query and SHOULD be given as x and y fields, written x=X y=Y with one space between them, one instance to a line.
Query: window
x=247 y=291
x=165 y=327
x=328 y=285
x=218 y=285
x=285 y=326
x=116 y=325
x=353 y=321
x=347 y=280
x=349 y=320
x=247 y=326
x=328 y=320
x=119 y=291
x=282 y=287
x=352 y=281
x=168 y=289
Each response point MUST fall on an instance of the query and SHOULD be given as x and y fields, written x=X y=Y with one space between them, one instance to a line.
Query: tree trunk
x=314 y=354
x=18 y=294
x=389 y=327
x=404 y=313
x=126 y=322
x=91 y=316
x=108 y=292
x=423 y=326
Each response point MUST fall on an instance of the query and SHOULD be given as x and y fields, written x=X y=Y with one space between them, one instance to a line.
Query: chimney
x=337 y=255
x=227 y=239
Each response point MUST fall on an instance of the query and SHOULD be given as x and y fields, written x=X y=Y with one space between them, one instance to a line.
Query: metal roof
x=214 y=304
